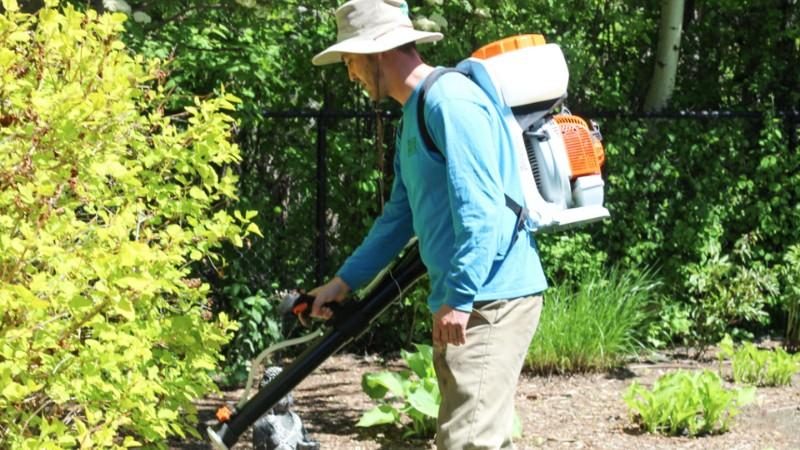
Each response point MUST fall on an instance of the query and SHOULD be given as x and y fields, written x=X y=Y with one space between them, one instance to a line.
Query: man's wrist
x=341 y=284
x=461 y=303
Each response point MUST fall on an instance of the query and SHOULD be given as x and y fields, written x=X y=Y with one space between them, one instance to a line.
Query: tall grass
x=595 y=325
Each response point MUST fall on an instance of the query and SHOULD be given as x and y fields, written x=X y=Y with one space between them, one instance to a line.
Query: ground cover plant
x=757 y=367
x=594 y=325
x=727 y=291
x=686 y=403
x=106 y=205
x=412 y=394
x=258 y=328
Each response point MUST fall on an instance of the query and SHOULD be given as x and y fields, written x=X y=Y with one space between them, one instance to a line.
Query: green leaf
x=80 y=302
x=379 y=415
x=197 y=193
x=130 y=442
x=425 y=401
x=27 y=296
x=136 y=283
x=125 y=309
x=421 y=361
x=376 y=385
x=253 y=228
x=10 y=5
x=14 y=391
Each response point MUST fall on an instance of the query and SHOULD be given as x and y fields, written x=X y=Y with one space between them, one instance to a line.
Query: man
x=485 y=273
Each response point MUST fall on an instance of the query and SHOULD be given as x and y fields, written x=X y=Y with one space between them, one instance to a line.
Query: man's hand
x=450 y=326
x=333 y=291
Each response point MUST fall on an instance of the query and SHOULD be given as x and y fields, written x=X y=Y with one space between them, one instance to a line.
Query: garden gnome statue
x=280 y=428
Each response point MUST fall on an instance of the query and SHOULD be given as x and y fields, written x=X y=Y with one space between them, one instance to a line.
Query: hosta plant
x=686 y=403
x=106 y=202
x=754 y=366
x=412 y=393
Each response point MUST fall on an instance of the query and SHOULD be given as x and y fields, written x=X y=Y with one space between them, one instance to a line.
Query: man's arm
x=464 y=130
x=388 y=235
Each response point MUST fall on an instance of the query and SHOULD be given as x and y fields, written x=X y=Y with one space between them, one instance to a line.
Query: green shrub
x=673 y=323
x=570 y=257
x=791 y=296
x=727 y=292
x=416 y=391
x=686 y=403
x=757 y=367
x=256 y=314
x=596 y=325
x=105 y=205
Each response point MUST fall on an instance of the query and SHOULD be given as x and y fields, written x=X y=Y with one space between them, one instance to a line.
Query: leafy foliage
x=759 y=367
x=686 y=403
x=258 y=329
x=106 y=204
x=416 y=389
x=676 y=186
x=408 y=320
x=791 y=295
x=724 y=293
x=571 y=257
x=595 y=325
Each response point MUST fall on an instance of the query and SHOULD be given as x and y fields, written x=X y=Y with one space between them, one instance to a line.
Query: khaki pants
x=478 y=380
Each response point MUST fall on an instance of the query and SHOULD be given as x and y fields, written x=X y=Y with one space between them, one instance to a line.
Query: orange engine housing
x=584 y=149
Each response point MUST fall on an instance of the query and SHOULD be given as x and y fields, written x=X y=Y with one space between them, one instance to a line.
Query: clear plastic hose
x=273 y=348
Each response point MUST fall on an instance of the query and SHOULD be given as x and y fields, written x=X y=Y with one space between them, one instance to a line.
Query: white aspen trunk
x=669 y=40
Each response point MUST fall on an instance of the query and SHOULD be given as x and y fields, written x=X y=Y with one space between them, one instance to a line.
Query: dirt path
x=577 y=412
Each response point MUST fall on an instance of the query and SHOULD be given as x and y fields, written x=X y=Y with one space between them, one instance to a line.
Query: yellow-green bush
x=105 y=202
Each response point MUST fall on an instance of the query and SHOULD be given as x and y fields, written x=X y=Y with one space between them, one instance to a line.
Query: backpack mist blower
x=559 y=158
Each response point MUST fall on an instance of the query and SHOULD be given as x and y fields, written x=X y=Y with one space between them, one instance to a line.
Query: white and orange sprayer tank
x=560 y=155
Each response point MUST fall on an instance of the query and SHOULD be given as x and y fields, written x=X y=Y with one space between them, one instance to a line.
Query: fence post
x=322 y=176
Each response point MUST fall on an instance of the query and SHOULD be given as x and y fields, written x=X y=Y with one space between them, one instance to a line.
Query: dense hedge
x=106 y=337
x=682 y=191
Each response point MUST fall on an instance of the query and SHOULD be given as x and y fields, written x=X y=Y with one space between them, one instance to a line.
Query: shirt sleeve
x=463 y=129
x=389 y=234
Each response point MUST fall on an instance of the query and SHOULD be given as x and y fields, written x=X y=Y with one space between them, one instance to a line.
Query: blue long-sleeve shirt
x=454 y=202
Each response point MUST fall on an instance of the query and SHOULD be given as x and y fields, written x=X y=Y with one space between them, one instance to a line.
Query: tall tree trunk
x=669 y=39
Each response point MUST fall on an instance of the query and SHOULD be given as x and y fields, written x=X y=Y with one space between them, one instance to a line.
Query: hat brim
x=333 y=54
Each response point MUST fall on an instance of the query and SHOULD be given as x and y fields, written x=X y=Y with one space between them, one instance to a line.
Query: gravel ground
x=575 y=412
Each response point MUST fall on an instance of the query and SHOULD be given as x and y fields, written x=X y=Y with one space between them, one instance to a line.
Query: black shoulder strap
x=518 y=210
x=426 y=86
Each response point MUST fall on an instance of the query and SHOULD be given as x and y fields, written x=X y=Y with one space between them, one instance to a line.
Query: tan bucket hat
x=372 y=26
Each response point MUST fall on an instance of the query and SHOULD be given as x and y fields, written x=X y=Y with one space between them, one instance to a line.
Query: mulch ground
x=574 y=412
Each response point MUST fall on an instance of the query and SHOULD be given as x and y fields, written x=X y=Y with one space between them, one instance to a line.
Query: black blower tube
x=349 y=320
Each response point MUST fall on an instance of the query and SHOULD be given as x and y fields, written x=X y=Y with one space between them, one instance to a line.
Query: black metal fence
x=324 y=118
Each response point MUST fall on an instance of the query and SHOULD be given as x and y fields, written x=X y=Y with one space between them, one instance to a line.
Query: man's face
x=364 y=69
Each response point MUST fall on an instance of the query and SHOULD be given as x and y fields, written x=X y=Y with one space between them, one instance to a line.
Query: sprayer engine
x=566 y=159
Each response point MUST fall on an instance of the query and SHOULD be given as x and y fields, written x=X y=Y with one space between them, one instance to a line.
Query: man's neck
x=414 y=78
x=403 y=73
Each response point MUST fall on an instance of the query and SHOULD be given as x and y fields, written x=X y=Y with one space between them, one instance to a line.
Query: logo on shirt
x=411 y=146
